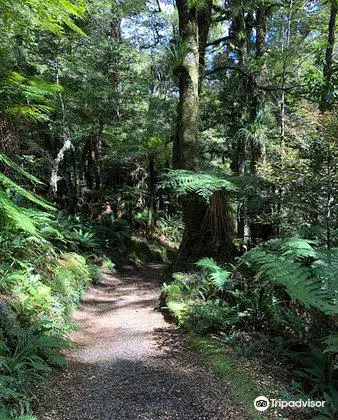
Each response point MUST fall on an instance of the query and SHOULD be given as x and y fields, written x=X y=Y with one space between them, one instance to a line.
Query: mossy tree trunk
x=208 y=227
x=185 y=151
x=326 y=100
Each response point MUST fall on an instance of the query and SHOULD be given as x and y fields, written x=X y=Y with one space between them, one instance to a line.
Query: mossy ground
x=237 y=375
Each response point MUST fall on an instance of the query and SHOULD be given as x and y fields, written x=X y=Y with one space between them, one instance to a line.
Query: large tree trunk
x=208 y=227
x=208 y=230
x=328 y=65
x=185 y=151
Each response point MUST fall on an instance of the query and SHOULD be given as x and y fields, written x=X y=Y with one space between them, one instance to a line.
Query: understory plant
x=279 y=300
x=42 y=278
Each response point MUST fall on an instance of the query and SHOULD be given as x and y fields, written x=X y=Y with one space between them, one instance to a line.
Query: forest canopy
x=203 y=132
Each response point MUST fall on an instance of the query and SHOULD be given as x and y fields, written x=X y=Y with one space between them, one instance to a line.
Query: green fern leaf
x=200 y=183
x=11 y=164
x=8 y=183
x=208 y=263
x=15 y=213
x=217 y=274
x=281 y=262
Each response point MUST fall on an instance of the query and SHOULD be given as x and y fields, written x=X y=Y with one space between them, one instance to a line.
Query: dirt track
x=129 y=363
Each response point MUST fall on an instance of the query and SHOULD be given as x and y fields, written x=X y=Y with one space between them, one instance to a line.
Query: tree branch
x=218 y=41
x=267 y=88
x=59 y=158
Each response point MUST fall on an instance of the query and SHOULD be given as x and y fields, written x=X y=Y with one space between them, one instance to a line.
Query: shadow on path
x=129 y=363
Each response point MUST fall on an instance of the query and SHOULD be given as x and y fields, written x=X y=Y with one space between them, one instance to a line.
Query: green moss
x=243 y=387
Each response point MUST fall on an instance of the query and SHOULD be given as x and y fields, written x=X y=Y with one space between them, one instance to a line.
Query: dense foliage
x=207 y=127
x=278 y=301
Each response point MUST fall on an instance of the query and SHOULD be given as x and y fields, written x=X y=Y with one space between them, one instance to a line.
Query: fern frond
x=325 y=267
x=221 y=278
x=208 y=263
x=281 y=262
x=218 y=275
x=297 y=247
x=11 y=164
x=201 y=183
x=8 y=183
x=15 y=213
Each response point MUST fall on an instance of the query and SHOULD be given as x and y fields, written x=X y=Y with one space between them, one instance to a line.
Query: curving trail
x=129 y=363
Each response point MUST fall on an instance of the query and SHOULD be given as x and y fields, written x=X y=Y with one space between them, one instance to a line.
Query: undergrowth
x=46 y=262
x=276 y=307
x=40 y=286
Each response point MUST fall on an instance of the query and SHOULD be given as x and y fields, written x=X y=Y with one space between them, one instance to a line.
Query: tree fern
x=282 y=261
x=201 y=183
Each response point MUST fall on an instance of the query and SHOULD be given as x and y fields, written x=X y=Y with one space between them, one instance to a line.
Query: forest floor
x=129 y=363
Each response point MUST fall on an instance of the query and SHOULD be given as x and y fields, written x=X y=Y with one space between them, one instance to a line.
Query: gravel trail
x=129 y=363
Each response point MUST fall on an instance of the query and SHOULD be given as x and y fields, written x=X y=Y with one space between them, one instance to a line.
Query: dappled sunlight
x=128 y=363
x=168 y=215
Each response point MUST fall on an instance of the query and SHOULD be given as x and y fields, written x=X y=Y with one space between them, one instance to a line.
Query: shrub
x=210 y=316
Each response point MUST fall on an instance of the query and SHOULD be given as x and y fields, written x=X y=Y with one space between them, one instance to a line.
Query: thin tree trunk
x=256 y=147
x=203 y=21
x=152 y=189
x=256 y=207
x=56 y=164
x=260 y=30
x=286 y=35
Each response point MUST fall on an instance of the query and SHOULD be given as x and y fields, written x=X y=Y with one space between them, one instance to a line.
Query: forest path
x=129 y=363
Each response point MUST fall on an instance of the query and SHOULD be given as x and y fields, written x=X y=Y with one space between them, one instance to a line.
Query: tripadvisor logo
x=262 y=403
